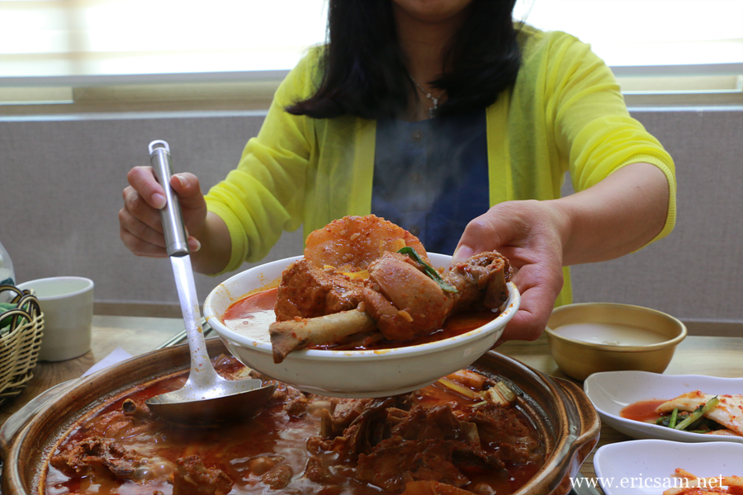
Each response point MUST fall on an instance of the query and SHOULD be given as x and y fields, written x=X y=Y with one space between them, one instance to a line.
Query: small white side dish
x=610 y=392
x=371 y=373
x=646 y=467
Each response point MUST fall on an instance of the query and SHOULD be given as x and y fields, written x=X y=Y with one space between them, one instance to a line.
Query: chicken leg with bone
x=399 y=298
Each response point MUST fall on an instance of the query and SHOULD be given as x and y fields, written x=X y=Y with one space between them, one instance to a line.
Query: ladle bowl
x=207 y=399
x=218 y=402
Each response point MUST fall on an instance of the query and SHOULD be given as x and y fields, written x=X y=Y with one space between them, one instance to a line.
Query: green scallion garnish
x=698 y=413
x=674 y=418
x=428 y=269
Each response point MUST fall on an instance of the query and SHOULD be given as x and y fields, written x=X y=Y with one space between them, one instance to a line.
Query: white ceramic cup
x=67 y=304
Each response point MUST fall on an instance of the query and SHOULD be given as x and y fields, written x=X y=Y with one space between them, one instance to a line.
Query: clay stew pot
x=568 y=422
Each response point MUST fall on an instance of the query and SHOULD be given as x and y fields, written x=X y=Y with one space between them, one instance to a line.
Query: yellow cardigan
x=564 y=113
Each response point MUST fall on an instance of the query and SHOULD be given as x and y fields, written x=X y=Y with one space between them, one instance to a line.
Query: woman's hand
x=139 y=219
x=617 y=216
x=531 y=235
x=141 y=227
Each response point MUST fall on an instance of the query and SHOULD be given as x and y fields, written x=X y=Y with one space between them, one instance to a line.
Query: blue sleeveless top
x=431 y=177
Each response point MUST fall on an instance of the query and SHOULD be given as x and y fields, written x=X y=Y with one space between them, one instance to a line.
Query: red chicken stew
x=457 y=324
x=443 y=437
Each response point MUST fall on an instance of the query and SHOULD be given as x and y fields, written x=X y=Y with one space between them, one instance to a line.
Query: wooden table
x=713 y=356
x=136 y=335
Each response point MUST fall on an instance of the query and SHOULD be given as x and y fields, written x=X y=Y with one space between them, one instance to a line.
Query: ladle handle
x=202 y=373
x=176 y=239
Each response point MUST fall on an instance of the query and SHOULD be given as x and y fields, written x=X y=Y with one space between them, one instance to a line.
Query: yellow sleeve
x=264 y=195
x=592 y=125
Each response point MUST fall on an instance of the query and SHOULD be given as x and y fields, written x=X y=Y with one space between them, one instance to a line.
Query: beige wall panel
x=696 y=273
x=61 y=183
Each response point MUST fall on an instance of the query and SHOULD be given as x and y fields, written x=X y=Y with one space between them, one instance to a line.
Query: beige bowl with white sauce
x=589 y=338
x=356 y=373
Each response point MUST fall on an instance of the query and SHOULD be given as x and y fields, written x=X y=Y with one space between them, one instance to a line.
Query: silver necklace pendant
x=435 y=101
x=435 y=108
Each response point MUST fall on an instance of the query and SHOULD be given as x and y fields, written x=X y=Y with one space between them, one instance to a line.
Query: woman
x=524 y=107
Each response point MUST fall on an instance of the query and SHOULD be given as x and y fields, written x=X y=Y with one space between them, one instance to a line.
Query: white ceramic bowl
x=611 y=392
x=646 y=467
x=372 y=373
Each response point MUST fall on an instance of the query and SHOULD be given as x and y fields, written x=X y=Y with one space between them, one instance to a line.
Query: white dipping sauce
x=610 y=334
x=254 y=326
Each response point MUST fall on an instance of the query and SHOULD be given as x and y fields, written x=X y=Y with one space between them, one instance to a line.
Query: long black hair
x=364 y=71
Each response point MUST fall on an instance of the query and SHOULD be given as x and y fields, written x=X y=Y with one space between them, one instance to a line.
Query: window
x=147 y=40
x=99 y=51
x=649 y=33
x=667 y=52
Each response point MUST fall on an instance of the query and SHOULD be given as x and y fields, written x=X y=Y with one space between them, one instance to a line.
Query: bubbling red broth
x=451 y=433
x=252 y=314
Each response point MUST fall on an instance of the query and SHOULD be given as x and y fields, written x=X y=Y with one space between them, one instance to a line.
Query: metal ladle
x=206 y=399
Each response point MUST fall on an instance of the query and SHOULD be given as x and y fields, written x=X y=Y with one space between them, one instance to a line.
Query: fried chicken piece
x=279 y=477
x=481 y=282
x=83 y=456
x=307 y=291
x=352 y=243
x=403 y=300
x=193 y=478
